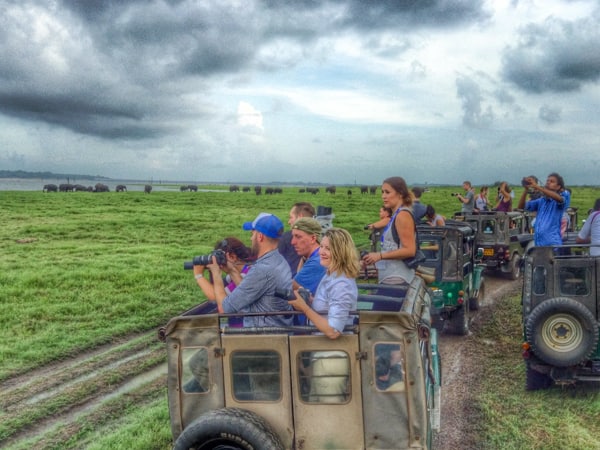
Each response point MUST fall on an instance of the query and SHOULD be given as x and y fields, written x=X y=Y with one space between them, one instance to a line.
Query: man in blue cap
x=270 y=273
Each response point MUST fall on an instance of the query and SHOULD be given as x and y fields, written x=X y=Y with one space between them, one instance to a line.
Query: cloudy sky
x=331 y=91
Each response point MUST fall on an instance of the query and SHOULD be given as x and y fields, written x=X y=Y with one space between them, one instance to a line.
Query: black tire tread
x=250 y=427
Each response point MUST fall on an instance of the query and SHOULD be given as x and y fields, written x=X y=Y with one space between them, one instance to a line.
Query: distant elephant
x=50 y=188
x=65 y=187
x=193 y=188
x=79 y=188
x=121 y=188
x=147 y=189
x=184 y=188
x=234 y=188
x=101 y=187
x=258 y=189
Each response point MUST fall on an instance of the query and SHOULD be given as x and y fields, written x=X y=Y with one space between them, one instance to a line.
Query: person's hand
x=199 y=270
x=372 y=257
x=298 y=303
x=214 y=268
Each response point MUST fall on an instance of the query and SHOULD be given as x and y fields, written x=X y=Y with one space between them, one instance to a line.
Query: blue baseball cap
x=267 y=224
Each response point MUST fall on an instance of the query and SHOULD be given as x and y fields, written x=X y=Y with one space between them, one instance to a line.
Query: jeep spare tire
x=228 y=429
x=562 y=332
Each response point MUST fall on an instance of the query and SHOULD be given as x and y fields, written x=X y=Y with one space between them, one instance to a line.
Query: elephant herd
x=98 y=187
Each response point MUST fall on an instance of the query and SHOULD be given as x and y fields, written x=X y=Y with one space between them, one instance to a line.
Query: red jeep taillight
x=526 y=350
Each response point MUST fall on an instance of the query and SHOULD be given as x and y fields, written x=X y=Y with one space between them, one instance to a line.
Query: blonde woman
x=337 y=293
x=335 y=298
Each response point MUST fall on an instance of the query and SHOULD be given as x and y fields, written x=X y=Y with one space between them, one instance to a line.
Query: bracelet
x=198 y=276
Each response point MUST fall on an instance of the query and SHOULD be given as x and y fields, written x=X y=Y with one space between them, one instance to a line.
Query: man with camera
x=467 y=200
x=549 y=208
x=269 y=274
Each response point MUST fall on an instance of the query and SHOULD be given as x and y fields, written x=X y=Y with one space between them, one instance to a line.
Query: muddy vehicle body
x=231 y=387
x=502 y=238
x=560 y=316
x=453 y=273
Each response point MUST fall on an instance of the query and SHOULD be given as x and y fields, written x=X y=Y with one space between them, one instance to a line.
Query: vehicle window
x=195 y=376
x=430 y=250
x=449 y=265
x=539 y=280
x=574 y=281
x=324 y=376
x=388 y=367
x=488 y=226
x=256 y=375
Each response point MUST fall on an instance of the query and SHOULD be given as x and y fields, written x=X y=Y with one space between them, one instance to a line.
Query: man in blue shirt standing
x=270 y=273
x=306 y=238
x=549 y=208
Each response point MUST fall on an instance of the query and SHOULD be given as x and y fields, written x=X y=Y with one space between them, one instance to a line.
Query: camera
x=366 y=227
x=454 y=194
x=525 y=182
x=363 y=253
x=204 y=260
x=288 y=294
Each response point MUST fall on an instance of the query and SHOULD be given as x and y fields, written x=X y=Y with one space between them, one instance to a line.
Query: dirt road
x=461 y=372
x=52 y=403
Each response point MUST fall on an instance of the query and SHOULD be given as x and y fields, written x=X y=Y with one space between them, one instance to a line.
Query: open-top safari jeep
x=231 y=387
x=560 y=316
x=453 y=273
x=501 y=238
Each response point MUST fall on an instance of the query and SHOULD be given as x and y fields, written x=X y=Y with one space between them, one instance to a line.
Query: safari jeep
x=560 y=316
x=452 y=273
x=232 y=388
x=502 y=238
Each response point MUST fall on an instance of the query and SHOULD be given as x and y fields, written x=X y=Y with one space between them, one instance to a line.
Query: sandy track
x=51 y=403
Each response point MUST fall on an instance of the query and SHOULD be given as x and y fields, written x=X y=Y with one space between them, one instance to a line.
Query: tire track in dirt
x=42 y=405
x=462 y=371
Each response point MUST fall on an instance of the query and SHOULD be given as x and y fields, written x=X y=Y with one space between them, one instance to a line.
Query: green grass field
x=80 y=269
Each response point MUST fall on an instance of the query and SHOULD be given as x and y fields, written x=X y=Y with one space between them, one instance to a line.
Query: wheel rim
x=562 y=333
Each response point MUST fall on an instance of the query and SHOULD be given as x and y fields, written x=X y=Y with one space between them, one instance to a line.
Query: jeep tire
x=459 y=320
x=562 y=332
x=515 y=267
x=228 y=429
x=477 y=298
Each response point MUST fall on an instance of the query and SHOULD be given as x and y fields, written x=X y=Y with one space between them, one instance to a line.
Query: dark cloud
x=549 y=114
x=414 y=13
x=554 y=56
x=473 y=113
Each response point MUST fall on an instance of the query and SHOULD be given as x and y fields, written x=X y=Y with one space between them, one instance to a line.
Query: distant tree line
x=47 y=175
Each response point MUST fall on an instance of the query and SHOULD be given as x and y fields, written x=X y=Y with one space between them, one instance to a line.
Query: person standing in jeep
x=468 y=199
x=549 y=208
x=590 y=232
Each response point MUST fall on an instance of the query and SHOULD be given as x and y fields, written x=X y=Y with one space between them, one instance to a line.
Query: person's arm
x=381 y=223
x=585 y=234
x=204 y=284
x=218 y=286
x=522 y=200
x=405 y=227
x=319 y=321
x=546 y=192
